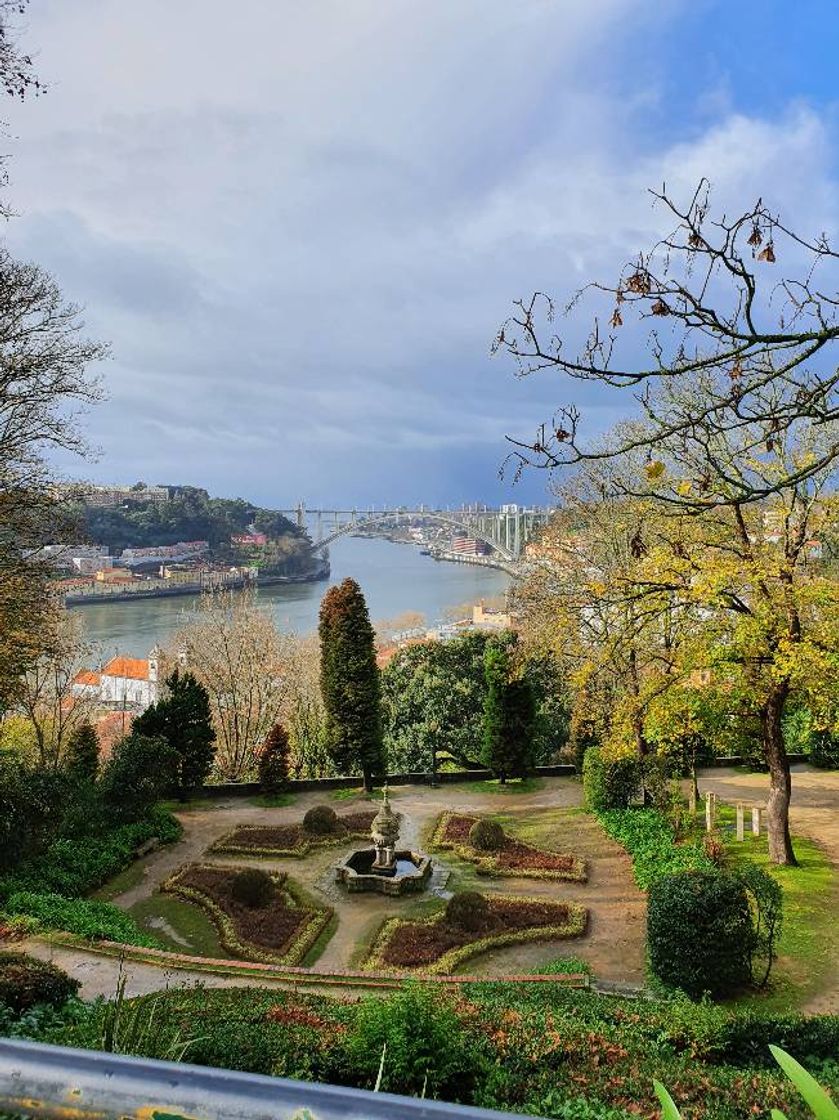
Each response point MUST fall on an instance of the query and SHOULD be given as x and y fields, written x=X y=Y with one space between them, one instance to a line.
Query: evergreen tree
x=273 y=761
x=183 y=719
x=350 y=682
x=509 y=715
x=83 y=753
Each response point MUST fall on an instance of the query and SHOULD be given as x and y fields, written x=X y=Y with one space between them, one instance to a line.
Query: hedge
x=96 y=921
x=647 y=836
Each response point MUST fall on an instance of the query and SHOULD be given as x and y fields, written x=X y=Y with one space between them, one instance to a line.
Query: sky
x=299 y=225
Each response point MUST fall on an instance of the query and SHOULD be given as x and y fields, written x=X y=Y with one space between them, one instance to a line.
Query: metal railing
x=66 y=1084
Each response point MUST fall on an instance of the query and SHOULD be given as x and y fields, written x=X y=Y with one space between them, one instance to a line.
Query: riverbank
x=164 y=589
x=395 y=580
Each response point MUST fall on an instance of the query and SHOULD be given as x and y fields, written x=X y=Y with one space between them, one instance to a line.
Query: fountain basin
x=409 y=874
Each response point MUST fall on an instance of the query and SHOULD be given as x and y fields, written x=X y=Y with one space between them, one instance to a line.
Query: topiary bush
x=26 y=981
x=253 y=888
x=321 y=820
x=488 y=836
x=699 y=932
x=610 y=783
x=468 y=910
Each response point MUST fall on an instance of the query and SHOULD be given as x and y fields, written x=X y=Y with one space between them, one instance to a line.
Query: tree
x=509 y=714
x=235 y=651
x=141 y=771
x=302 y=710
x=46 y=695
x=82 y=757
x=350 y=682
x=183 y=718
x=273 y=761
x=755 y=346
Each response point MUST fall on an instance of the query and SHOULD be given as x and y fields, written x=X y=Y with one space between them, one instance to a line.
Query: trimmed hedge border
x=443 y=966
x=486 y=863
x=319 y=918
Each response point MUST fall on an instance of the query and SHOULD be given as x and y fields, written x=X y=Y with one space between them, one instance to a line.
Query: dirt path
x=814 y=813
x=613 y=944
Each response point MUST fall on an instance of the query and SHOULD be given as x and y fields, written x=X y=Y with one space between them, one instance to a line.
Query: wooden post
x=741 y=814
x=756 y=820
x=692 y=801
x=710 y=798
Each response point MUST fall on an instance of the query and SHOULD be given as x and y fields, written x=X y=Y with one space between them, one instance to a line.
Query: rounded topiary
x=488 y=836
x=699 y=932
x=468 y=910
x=321 y=820
x=26 y=981
x=253 y=888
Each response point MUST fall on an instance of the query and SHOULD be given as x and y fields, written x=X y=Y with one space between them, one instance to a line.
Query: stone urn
x=384 y=832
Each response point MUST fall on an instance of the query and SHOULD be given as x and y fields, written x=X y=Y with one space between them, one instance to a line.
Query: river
x=395 y=578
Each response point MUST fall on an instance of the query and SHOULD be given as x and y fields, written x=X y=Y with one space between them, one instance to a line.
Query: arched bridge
x=505 y=531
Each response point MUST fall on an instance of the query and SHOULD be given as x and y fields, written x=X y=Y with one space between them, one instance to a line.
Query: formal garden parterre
x=294 y=840
x=507 y=856
x=280 y=927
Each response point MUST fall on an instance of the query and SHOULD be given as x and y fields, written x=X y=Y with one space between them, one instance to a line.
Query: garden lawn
x=809 y=947
x=179 y=925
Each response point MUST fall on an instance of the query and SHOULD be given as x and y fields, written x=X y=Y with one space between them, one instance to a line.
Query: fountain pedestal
x=384 y=867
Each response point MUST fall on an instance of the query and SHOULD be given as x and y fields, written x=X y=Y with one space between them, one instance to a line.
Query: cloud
x=300 y=225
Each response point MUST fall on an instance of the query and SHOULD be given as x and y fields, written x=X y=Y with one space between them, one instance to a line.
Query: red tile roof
x=87 y=676
x=130 y=668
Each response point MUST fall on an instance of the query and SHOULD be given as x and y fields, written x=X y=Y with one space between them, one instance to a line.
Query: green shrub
x=76 y=866
x=321 y=820
x=487 y=836
x=253 y=888
x=699 y=932
x=824 y=750
x=96 y=921
x=609 y=783
x=26 y=981
x=139 y=773
x=428 y=1049
x=468 y=910
x=766 y=901
x=647 y=836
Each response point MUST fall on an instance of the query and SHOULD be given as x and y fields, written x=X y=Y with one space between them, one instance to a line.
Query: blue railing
x=56 y=1081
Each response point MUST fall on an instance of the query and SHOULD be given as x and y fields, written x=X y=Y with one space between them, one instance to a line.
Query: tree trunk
x=780 y=782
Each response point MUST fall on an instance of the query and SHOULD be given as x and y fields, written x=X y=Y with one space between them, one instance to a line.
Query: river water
x=395 y=578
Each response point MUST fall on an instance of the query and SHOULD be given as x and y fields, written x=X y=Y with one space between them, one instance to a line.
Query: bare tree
x=303 y=711
x=716 y=315
x=47 y=697
x=235 y=650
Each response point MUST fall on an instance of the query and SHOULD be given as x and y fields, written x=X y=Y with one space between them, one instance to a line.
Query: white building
x=125 y=682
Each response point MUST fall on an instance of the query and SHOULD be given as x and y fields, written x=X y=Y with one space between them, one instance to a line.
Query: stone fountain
x=384 y=867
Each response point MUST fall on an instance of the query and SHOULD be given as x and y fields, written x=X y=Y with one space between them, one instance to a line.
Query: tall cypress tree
x=273 y=761
x=349 y=681
x=83 y=753
x=184 y=720
x=509 y=715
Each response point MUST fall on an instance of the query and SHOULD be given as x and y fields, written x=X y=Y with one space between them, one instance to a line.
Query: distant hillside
x=191 y=514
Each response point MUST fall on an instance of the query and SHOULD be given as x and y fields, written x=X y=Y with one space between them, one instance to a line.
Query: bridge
x=505 y=531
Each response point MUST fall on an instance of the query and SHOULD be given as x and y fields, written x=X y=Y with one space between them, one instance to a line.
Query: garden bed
x=282 y=932
x=294 y=840
x=434 y=945
x=514 y=858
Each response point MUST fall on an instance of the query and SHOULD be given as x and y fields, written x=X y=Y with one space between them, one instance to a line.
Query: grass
x=188 y=922
x=809 y=945
x=273 y=800
x=126 y=880
x=356 y=794
x=325 y=936
x=493 y=785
